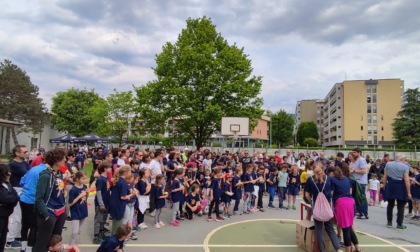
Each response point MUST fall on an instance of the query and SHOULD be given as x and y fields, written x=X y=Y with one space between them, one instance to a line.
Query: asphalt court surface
x=272 y=230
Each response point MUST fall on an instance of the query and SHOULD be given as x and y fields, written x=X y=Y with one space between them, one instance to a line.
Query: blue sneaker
x=13 y=245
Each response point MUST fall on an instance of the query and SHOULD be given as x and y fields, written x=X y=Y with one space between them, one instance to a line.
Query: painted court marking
x=206 y=246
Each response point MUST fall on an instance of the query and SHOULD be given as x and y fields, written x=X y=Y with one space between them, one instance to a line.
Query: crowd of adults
x=35 y=186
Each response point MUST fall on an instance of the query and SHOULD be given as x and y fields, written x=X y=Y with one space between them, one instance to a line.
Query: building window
x=375 y=139
x=374 y=89
x=369 y=118
x=375 y=118
x=374 y=108
x=361 y=128
x=370 y=138
x=382 y=117
x=368 y=88
x=369 y=108
x=369 y=129
x=361 y=138
x=382 y=138
x=382 y=128
x=369 y=100
x=375 y=129
x=374 y=98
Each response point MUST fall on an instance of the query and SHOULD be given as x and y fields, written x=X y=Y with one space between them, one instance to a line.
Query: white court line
x=207 y=239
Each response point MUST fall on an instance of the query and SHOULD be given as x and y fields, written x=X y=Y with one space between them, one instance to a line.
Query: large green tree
x=19 y=101
x=200 y=78
x=282 y=127
x=114 y=115
x=407 y=124
x=71 y=111
x=306 y=130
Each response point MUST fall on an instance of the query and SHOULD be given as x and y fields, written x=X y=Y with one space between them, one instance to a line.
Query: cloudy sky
x=301 y=48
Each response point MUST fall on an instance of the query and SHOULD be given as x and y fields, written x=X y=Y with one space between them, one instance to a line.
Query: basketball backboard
x=235 y=125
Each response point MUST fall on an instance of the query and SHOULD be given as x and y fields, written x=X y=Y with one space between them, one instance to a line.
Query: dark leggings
x=400 y=210
x=236 y=206
x=29 y=223
x=4 y=223
x=181 y=208
x=349 y=237
x=410 y=206
x=140 y=217
x=214 y=203
x=260 y=199
x=46 y=228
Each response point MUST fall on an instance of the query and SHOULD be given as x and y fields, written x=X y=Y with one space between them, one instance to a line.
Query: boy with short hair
x=101 y=202
x=56 y=245
x=272 y=184
x=116 y=242
x=261 y=175
x=282 y=184
x=193 y=202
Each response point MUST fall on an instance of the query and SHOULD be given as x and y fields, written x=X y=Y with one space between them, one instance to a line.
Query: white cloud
x=300 y=48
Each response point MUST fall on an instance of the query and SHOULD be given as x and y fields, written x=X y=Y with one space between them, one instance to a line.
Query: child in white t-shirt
x=373 y=189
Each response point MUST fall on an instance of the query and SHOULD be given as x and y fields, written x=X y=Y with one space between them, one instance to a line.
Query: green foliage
x=407 y=124
x=306 y=130
x=200 y=78
x=19 y=98
x=311 y=142
x=217 y=144
x=282 y=127
x=71 y=111
x=114 y=115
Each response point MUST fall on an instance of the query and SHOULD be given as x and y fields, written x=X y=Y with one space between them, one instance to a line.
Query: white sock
x=28 y=249
x=23 y=243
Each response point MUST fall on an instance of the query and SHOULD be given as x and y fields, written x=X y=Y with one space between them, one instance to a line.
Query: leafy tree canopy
x=407 y=124
x=71 y=111
x=200 y=78
x=306 y=130
x=282 y=127
x=19 y=98
x=114 y=115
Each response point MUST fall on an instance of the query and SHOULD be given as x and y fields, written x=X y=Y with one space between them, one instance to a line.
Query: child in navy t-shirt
x=237 y=189
x=116 y=242
x=227 y=194
x=215 y=194
x=78 y=195
x=177 y=190
x=160 y=195
x=101 y=201
x=248 y=188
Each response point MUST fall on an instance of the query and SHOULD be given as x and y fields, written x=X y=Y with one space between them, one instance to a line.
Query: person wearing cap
x=360 y=173
x=397 y=188
x=227 y=193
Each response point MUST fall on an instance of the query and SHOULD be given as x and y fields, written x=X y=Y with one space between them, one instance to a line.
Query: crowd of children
x=194 y=183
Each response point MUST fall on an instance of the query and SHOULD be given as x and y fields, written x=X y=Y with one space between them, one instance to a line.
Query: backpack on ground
x=322 y=209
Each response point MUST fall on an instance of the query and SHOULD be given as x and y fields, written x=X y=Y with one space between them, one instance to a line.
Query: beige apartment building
x=357 y=112
x=309 y=111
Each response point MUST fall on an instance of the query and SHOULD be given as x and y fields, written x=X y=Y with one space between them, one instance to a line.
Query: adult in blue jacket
x=27 y=205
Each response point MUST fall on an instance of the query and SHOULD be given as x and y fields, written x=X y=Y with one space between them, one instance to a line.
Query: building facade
x=309 y=111
x=356 y=112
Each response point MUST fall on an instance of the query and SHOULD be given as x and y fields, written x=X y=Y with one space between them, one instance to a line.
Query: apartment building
x=309 y=111
x=357 y=112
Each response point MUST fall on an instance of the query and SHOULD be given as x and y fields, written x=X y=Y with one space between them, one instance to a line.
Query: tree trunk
x=7 y=140
x=15 y=140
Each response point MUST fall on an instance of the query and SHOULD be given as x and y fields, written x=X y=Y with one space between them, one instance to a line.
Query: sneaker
x=247 y=212
x=367 y=217
x=294 y=207
x=174 y=223
x=157 y=225
x=209 y=218
x=253 y=210
x=219 y=219
x=161 y=224
x=97 y=240
x=235 y=213
x=13 y=245
x=143 y=226
x=133 y=236
x=177 y=221
x=409 y=215
x=389 y=225
x=401 y=228
x=228 y=216
x=137 y=228
x=178 y=218
x=262 y=209
x=288 y=207
x=153 y=213
x=68 y=218
x=64 y=228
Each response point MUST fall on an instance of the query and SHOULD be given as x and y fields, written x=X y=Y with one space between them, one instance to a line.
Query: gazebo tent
x=69 y=138
x=89 y=138
x=108 y=139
